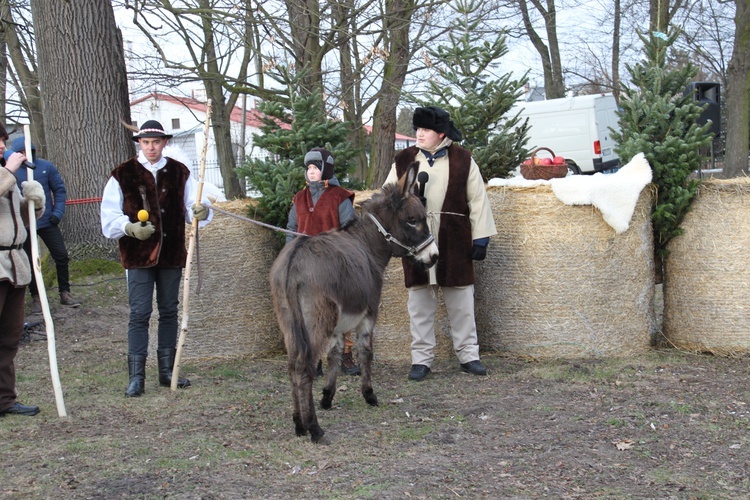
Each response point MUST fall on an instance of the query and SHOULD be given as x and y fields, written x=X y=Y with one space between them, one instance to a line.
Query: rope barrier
x=82 y=201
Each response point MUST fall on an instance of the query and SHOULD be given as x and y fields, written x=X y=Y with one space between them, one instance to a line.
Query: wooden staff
x=191 y=249
x=37 y=265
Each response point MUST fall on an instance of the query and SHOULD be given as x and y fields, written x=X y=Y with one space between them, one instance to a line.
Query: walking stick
x=37 y=265
x=191 y=249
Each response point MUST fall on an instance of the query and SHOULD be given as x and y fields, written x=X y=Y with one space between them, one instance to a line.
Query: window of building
x=175 y=123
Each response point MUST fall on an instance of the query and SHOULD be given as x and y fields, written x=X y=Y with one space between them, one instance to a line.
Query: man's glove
x=54 y=220
x=139 y=230
x=200 y=212
x=33 y=191
x=478 y=252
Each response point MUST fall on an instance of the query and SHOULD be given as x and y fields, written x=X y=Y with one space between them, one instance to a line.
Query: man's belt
x=14 y=247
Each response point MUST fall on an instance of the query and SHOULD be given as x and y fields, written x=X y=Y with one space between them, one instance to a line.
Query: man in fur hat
x=152 y=252
x=460 y=219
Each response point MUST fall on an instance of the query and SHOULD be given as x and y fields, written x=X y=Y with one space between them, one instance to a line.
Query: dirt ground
x=668 y=424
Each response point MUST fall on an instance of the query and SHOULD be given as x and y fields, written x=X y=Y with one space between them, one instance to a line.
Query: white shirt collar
x=153 y=167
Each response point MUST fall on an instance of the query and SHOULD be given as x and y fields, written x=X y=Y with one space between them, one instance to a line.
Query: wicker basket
x=533 y=171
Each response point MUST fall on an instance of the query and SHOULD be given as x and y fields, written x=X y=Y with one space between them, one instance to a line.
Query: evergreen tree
x=288 y=136
x=468 y=88
x=658 y=119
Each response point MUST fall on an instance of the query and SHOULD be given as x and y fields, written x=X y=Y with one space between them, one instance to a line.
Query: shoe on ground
x=36 y=305
x=67 y=299
x=418 y=372
x=474 y=367
x=348 y=365
x=19 y=409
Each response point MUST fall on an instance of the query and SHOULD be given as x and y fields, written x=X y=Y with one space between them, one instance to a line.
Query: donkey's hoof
x=327 y=400
x=370 y=397
x=319 y=437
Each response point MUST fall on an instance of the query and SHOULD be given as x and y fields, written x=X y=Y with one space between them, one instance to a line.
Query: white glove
x=200 y=212
x=33 y=191
x=139 y=230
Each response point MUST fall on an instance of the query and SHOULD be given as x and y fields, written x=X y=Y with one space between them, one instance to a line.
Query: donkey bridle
x=412 y=251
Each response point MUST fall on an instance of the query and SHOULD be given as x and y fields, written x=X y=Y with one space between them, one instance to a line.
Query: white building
x=184 y=118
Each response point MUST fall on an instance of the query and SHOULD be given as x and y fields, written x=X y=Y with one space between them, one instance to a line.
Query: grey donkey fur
x=326 y=285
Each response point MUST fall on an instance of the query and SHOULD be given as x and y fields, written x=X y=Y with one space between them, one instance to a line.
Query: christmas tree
x=287 y=136
x=659 y=119
x=477 y=98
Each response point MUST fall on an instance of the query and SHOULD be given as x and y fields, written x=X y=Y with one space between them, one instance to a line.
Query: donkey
x=326 y=285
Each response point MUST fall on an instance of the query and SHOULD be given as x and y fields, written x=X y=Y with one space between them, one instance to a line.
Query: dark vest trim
x=454 y=266
x=165 y=197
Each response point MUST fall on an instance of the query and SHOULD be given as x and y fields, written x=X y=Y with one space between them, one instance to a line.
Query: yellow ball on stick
x=142 y=216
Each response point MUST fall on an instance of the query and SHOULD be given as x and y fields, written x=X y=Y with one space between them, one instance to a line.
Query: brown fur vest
x=454 y=266
x=324 y=215
x=166 y=209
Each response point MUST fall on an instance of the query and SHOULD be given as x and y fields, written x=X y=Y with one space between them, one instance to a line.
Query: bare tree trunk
x=350 y=85
x=396 y=28
x=24 y=65
x=84 y=93
x=616 y=50
x=304 y=22
x=554 y=84
x=221 y=123
x=738 y=95
x=661 y=13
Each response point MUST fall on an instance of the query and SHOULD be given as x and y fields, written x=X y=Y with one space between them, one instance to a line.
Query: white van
x=576 y=128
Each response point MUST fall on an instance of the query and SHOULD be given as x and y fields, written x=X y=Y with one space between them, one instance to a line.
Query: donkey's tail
x=300 y=335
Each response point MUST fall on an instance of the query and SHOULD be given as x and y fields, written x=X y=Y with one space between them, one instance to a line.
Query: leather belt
x=14 y=247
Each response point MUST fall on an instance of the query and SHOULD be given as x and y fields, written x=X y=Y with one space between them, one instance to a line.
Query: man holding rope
x=145 y=205
x=15 y=272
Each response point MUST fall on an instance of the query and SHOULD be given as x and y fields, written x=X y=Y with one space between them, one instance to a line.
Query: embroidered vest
x=454 y=266
x=324 y=215
x=166 y=208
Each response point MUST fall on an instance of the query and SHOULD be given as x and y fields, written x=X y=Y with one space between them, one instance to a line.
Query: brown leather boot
x=36 y=305
x=348 y=365
x=67 y=299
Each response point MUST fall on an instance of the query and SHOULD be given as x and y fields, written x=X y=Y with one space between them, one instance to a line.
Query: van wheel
x=573 y=168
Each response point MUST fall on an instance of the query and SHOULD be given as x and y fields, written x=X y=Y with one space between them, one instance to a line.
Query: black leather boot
x=137 y=372
x=166 y=365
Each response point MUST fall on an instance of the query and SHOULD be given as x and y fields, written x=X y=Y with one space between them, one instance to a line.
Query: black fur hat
x=323 y=159
x=439 y=120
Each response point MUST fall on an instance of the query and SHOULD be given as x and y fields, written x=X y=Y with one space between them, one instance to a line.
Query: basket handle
x=533 y=153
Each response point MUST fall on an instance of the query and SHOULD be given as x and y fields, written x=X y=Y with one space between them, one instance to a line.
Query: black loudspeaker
x=709 y=94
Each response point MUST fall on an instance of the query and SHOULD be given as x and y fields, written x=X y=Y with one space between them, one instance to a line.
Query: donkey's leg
x=299 y=427
x=333 y=361
x=364 y=355
x=307 y=407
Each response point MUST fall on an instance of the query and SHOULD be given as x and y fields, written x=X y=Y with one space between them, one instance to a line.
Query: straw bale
x=233 y=314
x=558 y=282
x=707 y=277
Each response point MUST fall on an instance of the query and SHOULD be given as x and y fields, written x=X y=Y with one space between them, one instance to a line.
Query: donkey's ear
x=407 y=181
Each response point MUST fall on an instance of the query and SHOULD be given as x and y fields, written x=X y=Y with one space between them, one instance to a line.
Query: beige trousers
x=459 y=303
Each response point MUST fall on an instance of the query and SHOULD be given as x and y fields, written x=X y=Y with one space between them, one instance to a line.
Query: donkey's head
x=402 y=220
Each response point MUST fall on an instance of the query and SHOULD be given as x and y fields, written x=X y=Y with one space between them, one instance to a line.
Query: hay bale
x=233 y=314
x=707 y=277
x=558 y=282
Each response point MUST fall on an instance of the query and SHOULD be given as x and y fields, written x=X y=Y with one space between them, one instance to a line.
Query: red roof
x=401 y=137
x=253 y=117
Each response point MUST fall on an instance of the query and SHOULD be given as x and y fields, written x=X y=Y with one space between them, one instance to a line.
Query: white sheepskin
x=615 y=195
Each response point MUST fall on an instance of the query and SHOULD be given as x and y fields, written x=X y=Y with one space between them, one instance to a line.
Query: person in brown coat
x=15 y=272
